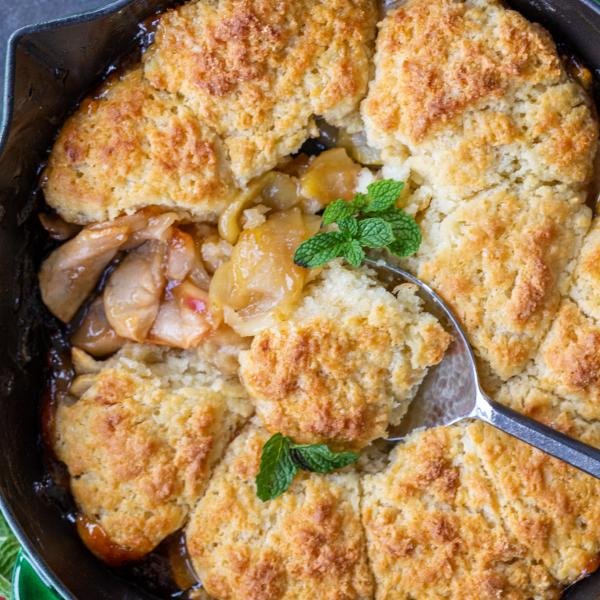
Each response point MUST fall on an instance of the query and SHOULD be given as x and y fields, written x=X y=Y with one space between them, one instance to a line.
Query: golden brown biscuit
x=346 y=363
x=568 y=362
x=553 y=508
x=257 y=71
x=525 y=394
x=479 y=96
x=569 y=359
x=504 y=141
x=140 y=443
x=502 y=261
x=133 y=146
x=585 y=290
x=306 y=544
x=550 y=507
x=434 y=528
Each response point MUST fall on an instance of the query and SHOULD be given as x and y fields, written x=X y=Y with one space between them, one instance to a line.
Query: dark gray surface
x=28 y=12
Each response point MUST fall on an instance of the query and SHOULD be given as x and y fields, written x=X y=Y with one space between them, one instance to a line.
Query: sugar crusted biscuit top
x=140 y=443
x=527 y=394
x=132 y=146
x=257 y=71
x=306 y=544
x=345 y=364
x=447 y=56
x=468 y=512
x=502 y=262
x=433 y=530
x=478 y=95
x=226 y=91
x=549 y=506
x=477 y=101
x=568 y=361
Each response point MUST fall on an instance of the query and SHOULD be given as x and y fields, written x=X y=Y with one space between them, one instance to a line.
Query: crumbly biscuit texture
x=132 y=146
x=307 y=543
x=468 y=512
x=479 y=96
x=586 y=283
x=346 y=363
x=525 y=394
x=502 y=262
x=257 y=71
x=434 y=528
x=550 y=507
x=475 y=100
x=140 y=443
x=568 y=361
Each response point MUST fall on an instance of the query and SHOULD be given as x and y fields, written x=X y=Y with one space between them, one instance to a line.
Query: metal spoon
x=452 y=392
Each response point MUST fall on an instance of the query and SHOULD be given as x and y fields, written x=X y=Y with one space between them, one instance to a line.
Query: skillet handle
x=546 y=439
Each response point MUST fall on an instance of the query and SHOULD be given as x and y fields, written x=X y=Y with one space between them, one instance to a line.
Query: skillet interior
x=49 y=68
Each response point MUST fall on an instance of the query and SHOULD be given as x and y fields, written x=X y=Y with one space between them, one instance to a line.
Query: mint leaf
x=9 y=548
x=407 y=234
x=359 y=201
x=375 y=233
x=404 y=247
x=281 y=459
x=348 y=226
x=354 y=253
x=383 y=195
x=320 y=248
x=277 y=469
x=318 y=458
x=337 y=210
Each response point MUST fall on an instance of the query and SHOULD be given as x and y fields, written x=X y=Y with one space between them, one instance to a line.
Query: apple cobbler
x=235 y=364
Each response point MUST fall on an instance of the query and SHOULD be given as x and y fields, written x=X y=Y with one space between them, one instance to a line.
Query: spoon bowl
x=452 y=392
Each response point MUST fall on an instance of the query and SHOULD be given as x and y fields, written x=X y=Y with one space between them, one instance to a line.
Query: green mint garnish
x=375 y=233
x=281 y=459
x=277 y=469
x=354 y=253
x=407 y=235
x=384 y=194
x=321 y=248
x=348 y=226
x=369 y=220
x=337 y=210
x=318 y=458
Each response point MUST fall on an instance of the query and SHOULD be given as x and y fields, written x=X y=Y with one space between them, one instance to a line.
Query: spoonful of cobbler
x=452 y=392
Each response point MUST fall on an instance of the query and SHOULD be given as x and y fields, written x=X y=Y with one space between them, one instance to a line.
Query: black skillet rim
x=8 y=96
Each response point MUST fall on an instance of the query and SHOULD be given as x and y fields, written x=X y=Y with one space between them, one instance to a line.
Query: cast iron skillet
x=49 y=67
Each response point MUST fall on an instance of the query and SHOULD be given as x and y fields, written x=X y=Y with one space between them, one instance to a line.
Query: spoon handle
x=577 y=454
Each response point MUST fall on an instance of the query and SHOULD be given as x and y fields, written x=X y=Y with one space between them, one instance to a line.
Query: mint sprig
x=321 y=248
x=281 y=459
x=375 y=233
x=383 y=194
x=277 y=468
x=369 y=220
x=318 y=458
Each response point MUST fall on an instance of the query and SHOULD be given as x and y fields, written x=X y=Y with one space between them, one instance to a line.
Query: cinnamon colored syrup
x=591 y=566
x=98 y=542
